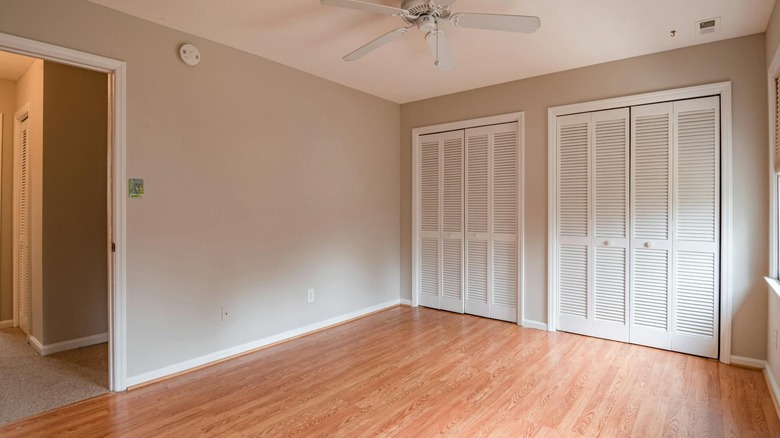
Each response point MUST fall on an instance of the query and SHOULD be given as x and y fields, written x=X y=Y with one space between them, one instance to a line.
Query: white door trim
x=117 y=96
x=722 y=89
x=519 y=118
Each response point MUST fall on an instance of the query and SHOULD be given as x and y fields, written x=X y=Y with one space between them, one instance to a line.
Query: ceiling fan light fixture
x=426 y=23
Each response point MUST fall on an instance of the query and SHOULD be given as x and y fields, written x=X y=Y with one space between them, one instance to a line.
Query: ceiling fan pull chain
x=437 y=44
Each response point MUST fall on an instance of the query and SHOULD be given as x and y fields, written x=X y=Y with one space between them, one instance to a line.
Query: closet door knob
x=649 y=244
x=609 y=242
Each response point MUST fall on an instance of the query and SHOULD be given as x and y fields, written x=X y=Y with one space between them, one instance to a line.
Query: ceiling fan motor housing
x=424 y=9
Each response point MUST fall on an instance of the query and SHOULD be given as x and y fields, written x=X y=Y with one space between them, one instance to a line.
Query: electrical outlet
x=311 y=295
x=225 y=313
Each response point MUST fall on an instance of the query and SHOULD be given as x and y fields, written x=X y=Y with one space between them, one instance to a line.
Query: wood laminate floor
x=421 y=373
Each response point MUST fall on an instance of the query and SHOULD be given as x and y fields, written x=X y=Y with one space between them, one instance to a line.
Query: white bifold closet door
x=675 y=300
x=639 y=224
x=441 y=221
x=491 y=262
x=593 y=223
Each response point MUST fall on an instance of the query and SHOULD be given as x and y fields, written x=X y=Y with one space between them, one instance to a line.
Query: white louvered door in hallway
x=469 y=221
x=23 y=274
x=639 y=224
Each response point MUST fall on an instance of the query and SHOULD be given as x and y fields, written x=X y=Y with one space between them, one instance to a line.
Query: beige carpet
x=31 y=384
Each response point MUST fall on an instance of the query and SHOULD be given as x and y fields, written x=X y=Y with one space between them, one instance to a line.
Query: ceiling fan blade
x=508 y=23
x=441 y=50
x=366 y=7
x=377 y=43
x=446 y=3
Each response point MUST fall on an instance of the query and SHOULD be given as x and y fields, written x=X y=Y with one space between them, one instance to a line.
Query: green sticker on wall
x=136 y=188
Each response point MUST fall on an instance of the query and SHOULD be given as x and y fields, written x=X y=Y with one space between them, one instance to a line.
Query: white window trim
x=723 y=89
x=117 y=111
x=773 y=274
x=519 y=118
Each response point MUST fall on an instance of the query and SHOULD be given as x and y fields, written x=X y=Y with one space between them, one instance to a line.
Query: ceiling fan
x=427 y=15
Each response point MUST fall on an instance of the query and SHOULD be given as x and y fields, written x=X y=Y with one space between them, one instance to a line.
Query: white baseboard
x=44 y=350
x=771 y=382
x=254 y=345
x=774 y=390
x=405 y=302
x=6 y=324
x=531 y=324
x=748 y=362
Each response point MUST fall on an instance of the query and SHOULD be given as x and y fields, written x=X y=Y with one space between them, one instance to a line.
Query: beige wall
x=30 y=90
x=74 y=203
x=738 y=60
x=7 y=108
x=773 y=35
x=261 y=182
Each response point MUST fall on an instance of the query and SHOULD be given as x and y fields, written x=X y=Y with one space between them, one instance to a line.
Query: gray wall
x=261 y=182
x=7 y=108
x=739 y=60
x=75 y=280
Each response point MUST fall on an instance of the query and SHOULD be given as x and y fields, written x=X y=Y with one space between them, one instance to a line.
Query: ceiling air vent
x=707 y=27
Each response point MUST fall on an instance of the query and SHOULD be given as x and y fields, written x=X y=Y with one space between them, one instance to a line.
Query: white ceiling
x=13 y=66
x=308 y=36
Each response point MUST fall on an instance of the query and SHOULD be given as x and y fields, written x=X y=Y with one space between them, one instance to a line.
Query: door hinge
x=113 y=247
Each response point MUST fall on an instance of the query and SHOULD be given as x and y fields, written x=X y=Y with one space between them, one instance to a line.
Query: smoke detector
x=708 y=26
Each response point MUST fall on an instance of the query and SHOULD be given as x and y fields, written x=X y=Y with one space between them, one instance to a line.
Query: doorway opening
x=55 y=187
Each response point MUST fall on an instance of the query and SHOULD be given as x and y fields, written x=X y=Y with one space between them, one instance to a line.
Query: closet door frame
x=723 y=91
x=519 y=118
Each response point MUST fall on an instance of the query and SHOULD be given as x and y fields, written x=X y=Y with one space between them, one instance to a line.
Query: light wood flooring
x=421 y=373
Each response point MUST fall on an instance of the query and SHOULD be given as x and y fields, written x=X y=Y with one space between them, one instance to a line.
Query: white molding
x=774 y=284
x=771 y=382
x=254 y=345
x=536 y=325
x=35 y=344
x=516 y=117
x=86 y=341
x=405 y=302
x=6 y=324
x=117 y=71
x=774 y=390
x=748 y=362
x=722 y=89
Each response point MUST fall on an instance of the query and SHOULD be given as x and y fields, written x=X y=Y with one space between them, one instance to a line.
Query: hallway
x=31 y=384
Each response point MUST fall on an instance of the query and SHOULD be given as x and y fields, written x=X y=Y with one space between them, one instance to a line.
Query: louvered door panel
x=430 y=257
x=697 y=226
x=478 y=254
x=574 y=184
x=504 y=220
x=452 y=221
x=574 y=274
x=573 y=282
x=651 y=268
x=24 y=274
x=610 y=224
